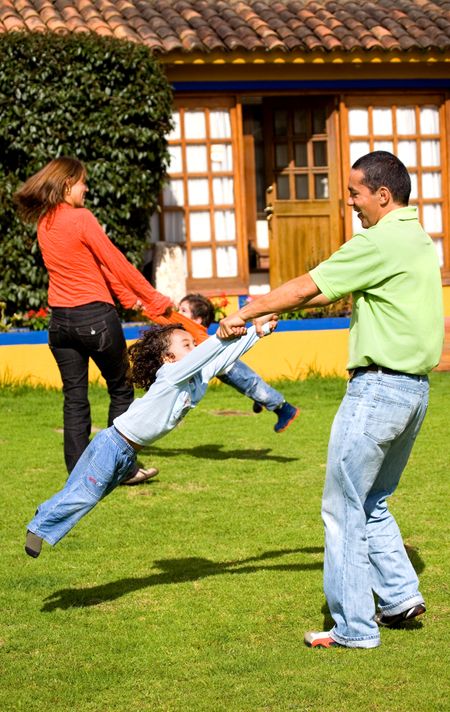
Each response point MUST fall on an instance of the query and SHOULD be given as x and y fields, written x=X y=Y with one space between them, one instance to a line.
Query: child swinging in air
x=165 y=361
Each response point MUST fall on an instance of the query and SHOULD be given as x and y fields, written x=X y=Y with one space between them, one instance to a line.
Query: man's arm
x=295 y=294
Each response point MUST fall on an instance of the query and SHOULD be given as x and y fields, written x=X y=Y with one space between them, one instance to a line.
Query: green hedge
x=105 y=101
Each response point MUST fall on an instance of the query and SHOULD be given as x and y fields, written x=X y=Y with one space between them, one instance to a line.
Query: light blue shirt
x=179 y=386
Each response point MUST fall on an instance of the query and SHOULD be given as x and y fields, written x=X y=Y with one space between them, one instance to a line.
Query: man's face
x=363 y=201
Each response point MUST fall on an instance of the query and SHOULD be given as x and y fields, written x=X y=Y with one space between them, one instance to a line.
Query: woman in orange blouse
x=85 y=271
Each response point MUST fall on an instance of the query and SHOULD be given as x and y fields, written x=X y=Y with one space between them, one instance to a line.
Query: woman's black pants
x=77 y=334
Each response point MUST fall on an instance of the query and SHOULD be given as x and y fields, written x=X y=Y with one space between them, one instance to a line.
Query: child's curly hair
x=147 y=354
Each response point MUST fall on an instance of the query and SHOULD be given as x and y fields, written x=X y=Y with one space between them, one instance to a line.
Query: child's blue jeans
x=250 y=384
x=104 y=464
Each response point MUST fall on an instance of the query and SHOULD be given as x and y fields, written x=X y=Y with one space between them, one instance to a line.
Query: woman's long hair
x=43 y=191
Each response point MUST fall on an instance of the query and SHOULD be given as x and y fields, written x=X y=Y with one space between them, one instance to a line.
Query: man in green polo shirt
x=396 y=334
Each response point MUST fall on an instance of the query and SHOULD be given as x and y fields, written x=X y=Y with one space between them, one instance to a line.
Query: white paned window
x=407 y=152
x=432 y=218
x=358 y=149
x=198 y=193
x=406 y=120
x=175 y=134
x=223 y=190
x=382 y=122
x=356 y=222
x=196 y=159
x=225 y=225
x=383 y=146
x=174 y=227
x=202 y=265
x=412 y=132
x=429 y=120
x=358 y=120
x=200 y=225
x=154 y=228
x=221 y=157
x=439 y=245
x=431 y=185
x=226 y=262
x=176 y=161
x=430 y=153
x=220 y=124
x=194 y=124
x=199 y=204
x=173 y=193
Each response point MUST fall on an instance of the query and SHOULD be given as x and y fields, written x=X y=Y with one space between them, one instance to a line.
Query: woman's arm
x=117 y=264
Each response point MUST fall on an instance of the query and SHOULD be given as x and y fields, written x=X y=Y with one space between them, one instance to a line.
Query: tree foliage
x=104 y=101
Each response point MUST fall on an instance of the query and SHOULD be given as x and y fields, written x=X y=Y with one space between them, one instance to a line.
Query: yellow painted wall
x=288 y=354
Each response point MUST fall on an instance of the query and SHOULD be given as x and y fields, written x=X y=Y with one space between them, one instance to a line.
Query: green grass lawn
x=193 y=592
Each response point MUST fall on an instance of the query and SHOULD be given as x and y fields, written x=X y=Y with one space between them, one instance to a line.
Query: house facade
x=273 y=101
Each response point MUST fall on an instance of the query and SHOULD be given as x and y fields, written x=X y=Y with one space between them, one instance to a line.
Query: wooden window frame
x=392 y=101
x=214 y=284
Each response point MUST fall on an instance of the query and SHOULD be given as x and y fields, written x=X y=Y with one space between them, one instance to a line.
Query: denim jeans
x=250 y=384
x=76 y=335
x=103 y=465
x=371 y=439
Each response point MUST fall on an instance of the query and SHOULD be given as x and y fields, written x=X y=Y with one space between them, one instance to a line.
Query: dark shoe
x=140 y=475
x=399 y=618
x=286 y=413
x=257 y=407
x=314 y=639
x=33 y=544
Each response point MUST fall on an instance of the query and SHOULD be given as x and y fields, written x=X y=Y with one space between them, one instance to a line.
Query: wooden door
x=303 y=201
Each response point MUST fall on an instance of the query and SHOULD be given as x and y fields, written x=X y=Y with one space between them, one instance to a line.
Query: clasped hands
x=234 y=325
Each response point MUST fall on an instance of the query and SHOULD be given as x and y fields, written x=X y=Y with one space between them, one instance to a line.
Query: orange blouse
x=84 y=266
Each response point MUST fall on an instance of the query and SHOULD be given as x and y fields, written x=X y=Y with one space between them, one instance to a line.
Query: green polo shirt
x=392 y=270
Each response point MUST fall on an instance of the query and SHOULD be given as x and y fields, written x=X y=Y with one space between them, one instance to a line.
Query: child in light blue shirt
x=176 y=373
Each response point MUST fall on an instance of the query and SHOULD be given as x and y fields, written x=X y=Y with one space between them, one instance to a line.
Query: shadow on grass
x=214 y=452
x=173 y=571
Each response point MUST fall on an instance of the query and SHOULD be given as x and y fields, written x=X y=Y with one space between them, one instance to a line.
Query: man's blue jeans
x=250 y=384
x=103 y=465
x=370 y=442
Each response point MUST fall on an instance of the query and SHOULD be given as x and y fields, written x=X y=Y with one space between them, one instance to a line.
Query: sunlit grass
x=193 y=592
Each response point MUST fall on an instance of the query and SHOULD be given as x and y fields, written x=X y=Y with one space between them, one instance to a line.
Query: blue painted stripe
x=304 y=324
x=325 y=84
x=133 y=331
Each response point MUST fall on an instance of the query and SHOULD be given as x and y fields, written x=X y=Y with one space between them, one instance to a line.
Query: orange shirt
x=84 y=266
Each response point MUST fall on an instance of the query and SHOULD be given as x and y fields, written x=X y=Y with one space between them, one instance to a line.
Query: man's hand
x=231 y=326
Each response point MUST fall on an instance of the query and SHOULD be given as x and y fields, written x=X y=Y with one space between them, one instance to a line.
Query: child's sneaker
x=33 y=544
x=257 y=407
x=286 y=413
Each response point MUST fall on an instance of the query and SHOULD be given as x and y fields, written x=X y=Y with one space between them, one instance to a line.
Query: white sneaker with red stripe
x=320 y=639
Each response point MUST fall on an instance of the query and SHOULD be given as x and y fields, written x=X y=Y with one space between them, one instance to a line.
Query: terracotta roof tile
x=203 y=26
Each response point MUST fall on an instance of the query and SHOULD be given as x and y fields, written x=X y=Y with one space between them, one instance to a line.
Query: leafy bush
x=105 y=101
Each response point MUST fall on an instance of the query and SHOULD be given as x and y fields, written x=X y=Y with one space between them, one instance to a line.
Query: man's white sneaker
x=319 y=639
